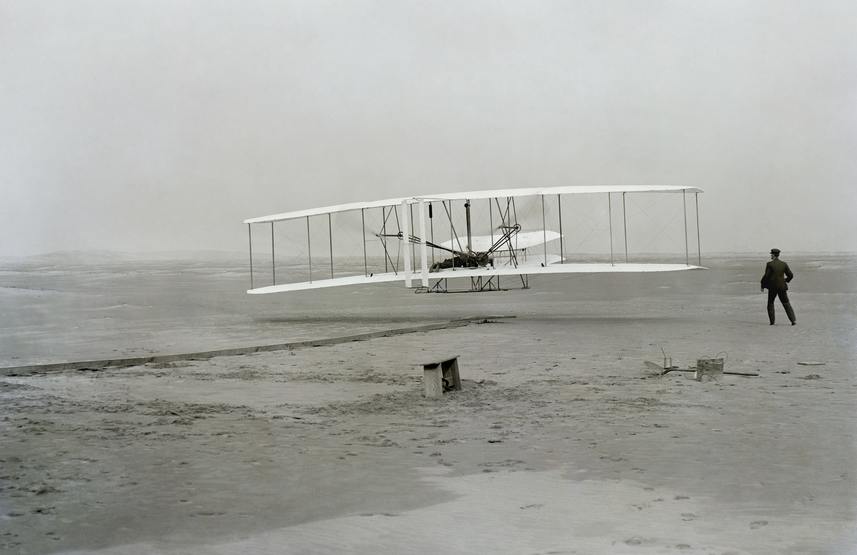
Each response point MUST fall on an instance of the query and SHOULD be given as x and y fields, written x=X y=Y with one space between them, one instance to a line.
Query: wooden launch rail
x=203 y=355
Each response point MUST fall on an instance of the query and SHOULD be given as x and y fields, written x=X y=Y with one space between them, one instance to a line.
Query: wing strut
x=625 y=227
x=431 y=223
x=686 y=249
x=273 y=261
x=610 y=217
x=250 y=237
x=467 y=216
x=363 y=222
x=384 y=233
x=330 y=237
x=421 y=214
x=491 y=220
x=544 y=231
x=309 y=249
x=698 y=245
x=407 y=233
x=412 y=228
x=383 y=236
x=453 y=235
x=561 y=249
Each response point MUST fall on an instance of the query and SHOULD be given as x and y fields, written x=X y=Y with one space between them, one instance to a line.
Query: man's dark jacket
x=777 y=275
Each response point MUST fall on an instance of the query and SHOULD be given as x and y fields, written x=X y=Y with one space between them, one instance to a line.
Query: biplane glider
x=480 y=236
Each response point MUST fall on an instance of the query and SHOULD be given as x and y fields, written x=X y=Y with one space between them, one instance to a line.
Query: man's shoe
x=794 y=323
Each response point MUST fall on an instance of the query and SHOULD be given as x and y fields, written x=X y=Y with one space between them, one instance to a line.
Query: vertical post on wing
x=491 y=221
x=544 y=233
x=431 y=226
x=363 y=223
x=330 y=236
x=383 y=235
x=625 y=227
x=309 y=249
x=273 y=262
x=451 y=230
x=698 y=246
x=467 y=215
x=610 y=218
x=413 y=247
x=406 y=234
x=250 y=238
x=561 y=249
x=421 y=214
x=686 y=248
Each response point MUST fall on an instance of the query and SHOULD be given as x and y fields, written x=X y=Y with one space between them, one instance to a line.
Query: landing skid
x=477 y=285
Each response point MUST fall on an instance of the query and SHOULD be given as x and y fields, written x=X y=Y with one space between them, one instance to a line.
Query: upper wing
x=490 y=193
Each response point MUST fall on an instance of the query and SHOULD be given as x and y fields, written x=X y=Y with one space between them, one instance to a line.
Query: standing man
x=776 y=279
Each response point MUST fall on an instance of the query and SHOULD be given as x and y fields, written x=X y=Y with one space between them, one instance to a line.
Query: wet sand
x=561 y=441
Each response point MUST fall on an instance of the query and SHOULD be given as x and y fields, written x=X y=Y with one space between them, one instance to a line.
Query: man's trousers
x=784 y=298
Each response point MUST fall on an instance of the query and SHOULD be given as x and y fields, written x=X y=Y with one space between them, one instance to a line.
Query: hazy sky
x=161 y=125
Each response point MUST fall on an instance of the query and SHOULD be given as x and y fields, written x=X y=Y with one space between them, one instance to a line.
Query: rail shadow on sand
x=203 y=355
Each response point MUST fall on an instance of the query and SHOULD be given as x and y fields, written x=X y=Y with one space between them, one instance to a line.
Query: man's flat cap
x=775 y=251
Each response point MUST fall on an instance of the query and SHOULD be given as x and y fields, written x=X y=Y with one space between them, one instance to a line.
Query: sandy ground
x=559 y=442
